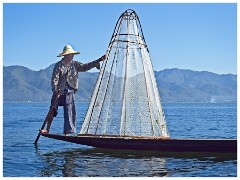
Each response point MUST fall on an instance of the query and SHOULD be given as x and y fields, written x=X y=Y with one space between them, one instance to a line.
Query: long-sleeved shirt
x=68 y=75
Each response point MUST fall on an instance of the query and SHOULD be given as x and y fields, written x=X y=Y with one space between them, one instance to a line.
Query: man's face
x=69 y=56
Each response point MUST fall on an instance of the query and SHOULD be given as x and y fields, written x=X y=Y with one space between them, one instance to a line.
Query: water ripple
x=53 y=158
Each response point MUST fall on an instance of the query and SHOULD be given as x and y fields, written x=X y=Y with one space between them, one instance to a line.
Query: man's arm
x=85 y=67
x=55 y=78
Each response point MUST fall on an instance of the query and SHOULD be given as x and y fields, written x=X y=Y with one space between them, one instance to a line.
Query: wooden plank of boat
x=152 y=144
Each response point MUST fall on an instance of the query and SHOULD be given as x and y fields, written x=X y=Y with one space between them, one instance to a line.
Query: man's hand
x=57 y=92
x=103 y=58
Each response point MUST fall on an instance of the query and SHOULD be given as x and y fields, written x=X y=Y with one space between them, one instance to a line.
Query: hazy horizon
x=96 y=71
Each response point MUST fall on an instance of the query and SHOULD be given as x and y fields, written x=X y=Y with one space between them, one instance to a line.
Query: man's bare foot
x=44 y=131
x=66 y=133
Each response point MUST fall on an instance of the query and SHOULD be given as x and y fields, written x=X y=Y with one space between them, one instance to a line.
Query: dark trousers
x=69 y=109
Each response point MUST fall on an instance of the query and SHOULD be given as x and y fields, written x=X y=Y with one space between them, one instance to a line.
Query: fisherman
x=65 y=84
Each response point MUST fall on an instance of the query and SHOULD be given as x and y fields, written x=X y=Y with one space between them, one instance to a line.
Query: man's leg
x=69 y=114
x=54 y=108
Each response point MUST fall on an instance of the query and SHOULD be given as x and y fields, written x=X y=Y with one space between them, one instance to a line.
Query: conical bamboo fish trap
x=125 y=111
x=126 y=100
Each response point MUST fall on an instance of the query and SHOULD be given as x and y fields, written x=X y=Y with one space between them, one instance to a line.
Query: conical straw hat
x=68 y=50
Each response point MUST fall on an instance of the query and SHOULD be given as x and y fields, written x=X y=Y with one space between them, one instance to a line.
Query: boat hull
x=152 y=144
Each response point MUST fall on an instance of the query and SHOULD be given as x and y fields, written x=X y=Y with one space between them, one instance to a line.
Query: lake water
x=53 y=158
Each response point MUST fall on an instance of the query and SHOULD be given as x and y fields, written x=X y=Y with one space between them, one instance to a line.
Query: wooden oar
x=49 y=117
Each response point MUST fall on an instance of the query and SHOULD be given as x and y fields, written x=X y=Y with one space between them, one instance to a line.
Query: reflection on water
x=58 y=158
x=93 y=162
x=98 y=162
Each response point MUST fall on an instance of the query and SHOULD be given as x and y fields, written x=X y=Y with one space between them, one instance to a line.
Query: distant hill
x=175 y=85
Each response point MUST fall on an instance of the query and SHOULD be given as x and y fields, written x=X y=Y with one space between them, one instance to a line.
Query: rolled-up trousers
x=69 y=111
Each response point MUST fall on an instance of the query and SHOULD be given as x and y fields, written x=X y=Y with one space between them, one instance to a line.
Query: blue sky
x=201 y=37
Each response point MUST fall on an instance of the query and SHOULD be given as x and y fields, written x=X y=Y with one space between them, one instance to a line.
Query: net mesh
x=125 y=100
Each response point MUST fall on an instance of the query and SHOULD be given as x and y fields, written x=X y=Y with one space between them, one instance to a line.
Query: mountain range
x=175 y=85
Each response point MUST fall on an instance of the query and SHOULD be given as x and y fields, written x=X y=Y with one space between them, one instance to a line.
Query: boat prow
x=151 y=144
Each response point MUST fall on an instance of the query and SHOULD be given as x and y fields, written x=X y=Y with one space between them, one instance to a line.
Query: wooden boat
x=152 y=144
